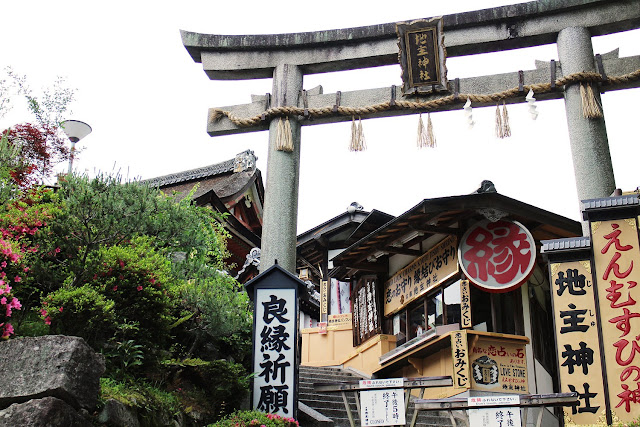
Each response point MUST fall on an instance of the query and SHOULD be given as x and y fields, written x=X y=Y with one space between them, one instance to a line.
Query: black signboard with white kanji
x=275 y=294
x=422 y=56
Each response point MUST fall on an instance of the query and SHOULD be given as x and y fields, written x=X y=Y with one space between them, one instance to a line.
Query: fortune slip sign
x=507 y=416
x=422 y=56
x=460 y=357
x=384 y=407
x=275 y=336
x=425 y=273
x=465 y=304
x=616 y=253
x=497 y=256
x=576 y=327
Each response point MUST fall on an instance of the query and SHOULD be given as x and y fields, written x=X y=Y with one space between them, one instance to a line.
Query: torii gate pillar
x=283 y=175
x=588 y=137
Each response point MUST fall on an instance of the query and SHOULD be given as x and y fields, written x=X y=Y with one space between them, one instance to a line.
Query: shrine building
x=396 y=300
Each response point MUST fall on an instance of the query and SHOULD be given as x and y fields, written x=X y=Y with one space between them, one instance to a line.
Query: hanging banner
x=616 y=253
x=324 y=300
x=425 y=273
x=460 y=357
x=497 y=256
x=499 y=366
x=578 y=345
x=422 y=56
x=465 y=304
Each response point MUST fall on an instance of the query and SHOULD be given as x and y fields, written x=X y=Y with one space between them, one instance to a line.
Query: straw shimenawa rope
x=434 y=104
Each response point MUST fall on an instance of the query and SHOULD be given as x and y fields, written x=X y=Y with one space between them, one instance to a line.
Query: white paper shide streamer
x=468 y=113
x=531 y=102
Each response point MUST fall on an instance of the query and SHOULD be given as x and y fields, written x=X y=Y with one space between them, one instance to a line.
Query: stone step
x=319 y=403
x=320 y=377
x=331 y=405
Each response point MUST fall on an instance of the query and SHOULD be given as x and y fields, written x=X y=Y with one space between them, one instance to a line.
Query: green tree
x=104 y=211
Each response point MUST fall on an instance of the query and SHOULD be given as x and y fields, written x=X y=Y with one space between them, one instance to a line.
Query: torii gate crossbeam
x=287 y=57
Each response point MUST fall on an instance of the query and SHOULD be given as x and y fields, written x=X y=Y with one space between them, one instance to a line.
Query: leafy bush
x=255 y=418
x=223 y=312
x=138 y=280
x=224 y=384
x=82 y=312
x=139 y=395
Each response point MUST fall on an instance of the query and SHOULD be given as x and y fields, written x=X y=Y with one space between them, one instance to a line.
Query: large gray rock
x=115 y=414
x=53 y=365
x=48 y=411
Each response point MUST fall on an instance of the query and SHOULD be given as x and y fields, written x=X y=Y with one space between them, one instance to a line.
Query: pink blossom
x=3 y=264
x=152 y=280
x=15 y=303
x=121 y=264
x=3 y=300
x=139 y=288
x=56 y=250
x=26 y=269
x=47 y=321
x=115 y=288
x=8 y=330
x=60 y=309
x=43 y=312
x=18 y=279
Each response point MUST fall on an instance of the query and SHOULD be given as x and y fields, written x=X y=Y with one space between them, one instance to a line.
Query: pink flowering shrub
x=24 y=262
x=8 y=303
x=10 y=256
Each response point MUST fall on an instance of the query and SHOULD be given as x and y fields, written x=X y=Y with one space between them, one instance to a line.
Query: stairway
x=331 y=404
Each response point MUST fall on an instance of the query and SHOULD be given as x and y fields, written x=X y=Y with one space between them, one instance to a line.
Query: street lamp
x=75 y=131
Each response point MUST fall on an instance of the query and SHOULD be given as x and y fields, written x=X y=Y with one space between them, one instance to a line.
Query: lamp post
x=75 y=131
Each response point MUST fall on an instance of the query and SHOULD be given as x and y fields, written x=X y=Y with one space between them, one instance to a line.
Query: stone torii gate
x=288 y=57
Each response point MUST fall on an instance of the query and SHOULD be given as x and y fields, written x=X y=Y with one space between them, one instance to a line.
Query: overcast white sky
x=147 y=102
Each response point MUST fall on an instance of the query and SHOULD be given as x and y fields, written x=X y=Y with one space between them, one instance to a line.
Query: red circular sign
x=497 y=256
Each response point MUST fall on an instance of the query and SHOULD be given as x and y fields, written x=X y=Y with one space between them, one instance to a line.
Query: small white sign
x=508 y=416
x=389 y=382
x=512 y=399
x=382 y=407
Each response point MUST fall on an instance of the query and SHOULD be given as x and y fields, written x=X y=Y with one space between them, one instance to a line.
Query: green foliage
x=104 y=211
x=82 y=312
x=222 y=305
x=10 y=160
x=137 y=278
x=255 y=418
x=223 y=317
x=139 y=395
x=223 y=384
x=48 y=108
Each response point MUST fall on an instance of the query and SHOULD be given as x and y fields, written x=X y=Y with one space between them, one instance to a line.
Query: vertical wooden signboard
x=275 y=294
x=576 y=327
x=460 y=357
x=324 y=306
x=465 y=304
x=616 y=253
